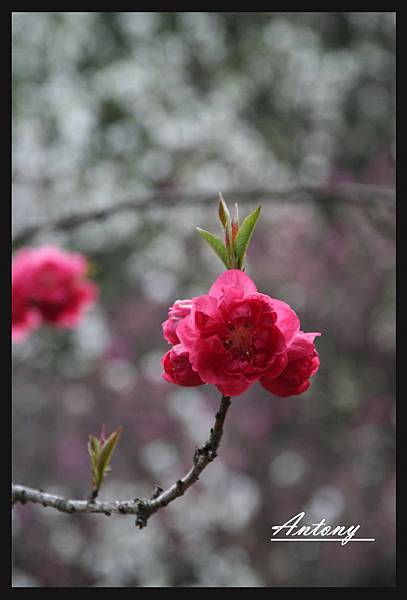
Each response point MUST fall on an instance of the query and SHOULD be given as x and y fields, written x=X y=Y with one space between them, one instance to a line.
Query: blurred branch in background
x=356 y=194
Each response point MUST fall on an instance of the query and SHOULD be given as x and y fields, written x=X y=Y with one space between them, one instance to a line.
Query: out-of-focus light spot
x=156 y=164
x=315 y=170
x=158 y=285
x=241 y=501
x=91 y=336
x=119 y=375
x=287 y=468
x=159 y=457
x=90 y=236
x=78 y=400
x=327 y=502
x=232 y=565
x=190 y=407
x=72 y=540
x=150 y=365
x=141 y=25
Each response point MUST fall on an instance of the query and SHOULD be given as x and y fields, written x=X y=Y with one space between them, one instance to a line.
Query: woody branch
x=352 y=193
x=141 y=508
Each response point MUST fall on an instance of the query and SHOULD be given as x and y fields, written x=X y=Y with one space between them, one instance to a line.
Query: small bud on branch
x=101 y=451
x=237 y=237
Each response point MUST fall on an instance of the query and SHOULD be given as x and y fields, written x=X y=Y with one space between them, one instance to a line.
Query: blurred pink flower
x=49 y=285
x=24 y=318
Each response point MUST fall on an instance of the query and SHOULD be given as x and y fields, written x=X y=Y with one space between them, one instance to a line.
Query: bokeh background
x=125 y=126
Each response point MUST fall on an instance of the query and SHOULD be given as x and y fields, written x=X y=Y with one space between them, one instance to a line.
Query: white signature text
x=316 y=532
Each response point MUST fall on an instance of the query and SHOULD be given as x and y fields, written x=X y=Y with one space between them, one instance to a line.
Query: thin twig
x=142 y=508
x=348 y=192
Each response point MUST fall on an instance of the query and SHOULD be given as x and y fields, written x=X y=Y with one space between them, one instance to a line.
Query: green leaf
x=93 y=449
x=107 y=451
x=235 y=218
x=94 y=444
x=244 y=235
x=223 y=212
x=216 y=244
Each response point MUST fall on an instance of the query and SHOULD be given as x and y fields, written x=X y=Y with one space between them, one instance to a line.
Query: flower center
x=239 y=339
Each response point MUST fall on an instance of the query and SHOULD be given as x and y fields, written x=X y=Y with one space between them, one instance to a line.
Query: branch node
x=156 y=492
x=92 y=496
x=196 y=456
x=143 y=512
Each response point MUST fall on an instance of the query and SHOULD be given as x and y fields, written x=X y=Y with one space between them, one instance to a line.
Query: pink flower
x=178 y=369
x=48 y=285
x=303 y=362
x=230 y=337
x=179 y=310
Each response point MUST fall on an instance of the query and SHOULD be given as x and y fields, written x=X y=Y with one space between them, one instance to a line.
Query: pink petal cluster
x=234 y=336
x=49 y=285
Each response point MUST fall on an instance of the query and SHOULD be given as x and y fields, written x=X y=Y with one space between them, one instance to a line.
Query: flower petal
x=232 y=278
x=302 y=345
x=287 y=320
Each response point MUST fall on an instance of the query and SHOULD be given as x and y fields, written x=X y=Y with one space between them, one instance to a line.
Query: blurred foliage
x=122 y=103
x=108 y=105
